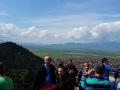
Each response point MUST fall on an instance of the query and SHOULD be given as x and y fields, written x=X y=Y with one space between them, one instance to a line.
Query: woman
x=83 y=73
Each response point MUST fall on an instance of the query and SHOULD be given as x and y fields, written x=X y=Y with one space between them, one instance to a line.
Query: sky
x=59 y=21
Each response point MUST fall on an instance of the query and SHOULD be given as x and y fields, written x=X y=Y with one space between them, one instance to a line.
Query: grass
x=75 y=54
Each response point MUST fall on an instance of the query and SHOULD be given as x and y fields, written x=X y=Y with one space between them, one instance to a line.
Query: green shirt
x=6 y=83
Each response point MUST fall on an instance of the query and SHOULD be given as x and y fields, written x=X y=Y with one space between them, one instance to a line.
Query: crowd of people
x=66 y=76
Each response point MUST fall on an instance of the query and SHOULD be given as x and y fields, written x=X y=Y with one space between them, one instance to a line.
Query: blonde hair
x=86 y=65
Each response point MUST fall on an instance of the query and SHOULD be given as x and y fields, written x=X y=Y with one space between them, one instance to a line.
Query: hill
x=20 y=64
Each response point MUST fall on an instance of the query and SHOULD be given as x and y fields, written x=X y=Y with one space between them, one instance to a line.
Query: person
x=116 y=82
x=108 y=68
x=83 y=72
x=63 y=81
x=49 y=87
x=96 y=82
x=71 y=70
x=6 y=83
x=118 y=86
x=45 y=74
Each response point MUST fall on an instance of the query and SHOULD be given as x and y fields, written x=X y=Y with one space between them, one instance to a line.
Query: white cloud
x=101 y=33
x=28 y=32
x=78 y=33
x=8 y=26
x=106 y=31
x=6 y=29
x=43 y=33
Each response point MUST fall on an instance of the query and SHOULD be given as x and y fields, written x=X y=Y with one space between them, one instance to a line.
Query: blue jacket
x=95 y=83
x=107 y=69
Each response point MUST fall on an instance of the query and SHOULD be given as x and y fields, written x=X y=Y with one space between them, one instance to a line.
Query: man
x=45 y=74
x=96 y=82
x=108 y=68
x=71 y=69
x=63 y=81
x=6 y=83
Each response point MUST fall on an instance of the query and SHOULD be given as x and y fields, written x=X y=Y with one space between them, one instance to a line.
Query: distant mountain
x=102 y=46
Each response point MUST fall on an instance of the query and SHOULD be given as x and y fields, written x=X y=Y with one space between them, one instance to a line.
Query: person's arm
x=13 y=88
x=75 y=71
x=82 y=82
x=110 y=68
x=53 y=74
x=79 y=76
x=35 y=81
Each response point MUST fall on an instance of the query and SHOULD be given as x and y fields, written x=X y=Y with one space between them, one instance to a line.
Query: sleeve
x=53 y=73
x=76 y=71
x=13 y=88
x=79 y=76
x=82 y=82
x=35 y=81
x=108 y=67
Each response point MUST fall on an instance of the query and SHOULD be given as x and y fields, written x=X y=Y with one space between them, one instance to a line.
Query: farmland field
x=75 y=54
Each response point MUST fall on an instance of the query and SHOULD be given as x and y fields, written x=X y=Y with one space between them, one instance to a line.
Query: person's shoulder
x=73 y=65
x=118 y=84
x=100 y=81
x=8 y=78
x=107 y=65
x=41 y=67
x=52 y=66
x=2 y=79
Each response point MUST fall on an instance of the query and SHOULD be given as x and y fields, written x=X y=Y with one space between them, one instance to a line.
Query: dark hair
x=100 y=69
x=49 y=87
x=2 y=71
x=69 y=60
x=117 y=74
x=104 y=60
x=61 y=64
x=62 y=67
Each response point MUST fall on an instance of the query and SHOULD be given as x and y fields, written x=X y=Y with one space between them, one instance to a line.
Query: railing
x=25 y=86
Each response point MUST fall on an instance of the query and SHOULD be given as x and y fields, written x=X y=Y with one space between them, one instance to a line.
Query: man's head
x=99 y=69
x=69 y=62
x=47 y=60
x=105 y=60
x=61 y=71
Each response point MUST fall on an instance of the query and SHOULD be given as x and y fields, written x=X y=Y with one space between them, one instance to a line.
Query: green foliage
x=19 y=76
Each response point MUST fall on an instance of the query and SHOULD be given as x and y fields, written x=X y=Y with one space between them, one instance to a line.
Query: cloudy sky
x=59 y=21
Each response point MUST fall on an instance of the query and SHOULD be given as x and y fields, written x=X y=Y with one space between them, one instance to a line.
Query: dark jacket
x=71 y=67
x=65 y=83
x=41 y=76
